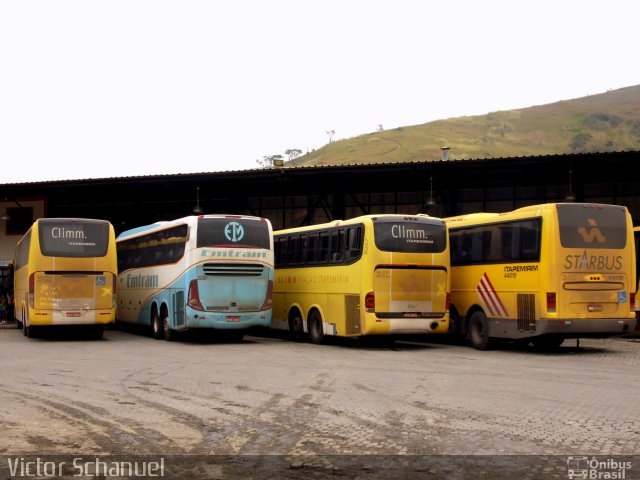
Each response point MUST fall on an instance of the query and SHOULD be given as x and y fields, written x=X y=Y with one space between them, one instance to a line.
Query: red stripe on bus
x=501 y=309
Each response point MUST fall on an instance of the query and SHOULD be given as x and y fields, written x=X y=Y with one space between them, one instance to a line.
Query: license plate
x=594 y=308
x=73 y=314
x=233 y=319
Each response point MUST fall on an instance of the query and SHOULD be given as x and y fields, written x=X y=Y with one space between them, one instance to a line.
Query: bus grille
x=526 y=312
x=233 y=269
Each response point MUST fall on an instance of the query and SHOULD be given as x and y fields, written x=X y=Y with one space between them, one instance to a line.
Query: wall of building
x=15 y=219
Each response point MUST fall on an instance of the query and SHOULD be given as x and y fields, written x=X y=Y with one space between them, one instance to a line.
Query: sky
x=93 y=89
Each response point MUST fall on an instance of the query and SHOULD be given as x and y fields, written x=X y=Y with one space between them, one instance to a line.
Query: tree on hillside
x=293 y=153
x=331 y=133
x=579 y=142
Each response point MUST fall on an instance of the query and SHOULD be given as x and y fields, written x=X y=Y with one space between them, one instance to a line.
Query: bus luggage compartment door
x=407 y=291
x=178 y=308
x=352 y=314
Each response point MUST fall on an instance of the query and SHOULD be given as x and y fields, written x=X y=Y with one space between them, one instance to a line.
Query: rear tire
x=169 y=334
x=96 y=331
x=30 y=331
x=315 y=328
x=296 y=327
x=157 y=327
x=479 y=331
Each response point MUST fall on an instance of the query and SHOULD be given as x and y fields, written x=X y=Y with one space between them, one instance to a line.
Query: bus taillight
x=551 y=302
x=268 y=300
x=32 y=284
x=194 y=296
x=447 y=304
x=632 y=301
x=370 y=302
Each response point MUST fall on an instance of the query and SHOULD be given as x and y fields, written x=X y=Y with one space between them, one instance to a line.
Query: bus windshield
x=232 y=232
x=601 y=227
x=77 y=238
x=410 y=235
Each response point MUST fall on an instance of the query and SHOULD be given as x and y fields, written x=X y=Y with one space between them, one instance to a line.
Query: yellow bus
x=371 y=275
x=542 y=273
x=65 y=274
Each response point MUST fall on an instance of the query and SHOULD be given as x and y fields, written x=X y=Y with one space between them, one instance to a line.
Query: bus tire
x=168 y=333
x=296 y=327
x=547 y=343
x=315 y=328
x=479 y=331
x=96 y=332
x=30 y=331
x=157 y=326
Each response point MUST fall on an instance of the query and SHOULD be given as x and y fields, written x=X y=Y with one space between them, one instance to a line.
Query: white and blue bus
x=207 y=271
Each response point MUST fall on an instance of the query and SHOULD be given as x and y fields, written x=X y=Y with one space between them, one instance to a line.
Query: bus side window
x=354 y=242
x=491 y=240
x=323 y=250
x=529 y=241
x=280 y=248
x=508 y=243
x=456 y=244
x=337 y=246
x=293 y=253
x=476 y=248
x=312 y=248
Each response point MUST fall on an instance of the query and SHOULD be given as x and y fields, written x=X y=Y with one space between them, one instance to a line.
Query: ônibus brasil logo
x=594 y=468
x=234 y=232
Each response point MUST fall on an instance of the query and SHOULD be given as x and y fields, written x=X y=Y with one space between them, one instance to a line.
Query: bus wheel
x=96 y=332
x=168 y=333
x=157 y=327
x=296 y=328
x=29 y=331
x=315 y=328
x=545 y=344
x=479 y=331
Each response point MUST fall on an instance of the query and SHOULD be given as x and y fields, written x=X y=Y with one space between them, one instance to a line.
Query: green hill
x=598 y=123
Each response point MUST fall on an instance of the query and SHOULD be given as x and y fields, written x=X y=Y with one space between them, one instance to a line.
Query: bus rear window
x=592 y=226
x=76 y=238
x=233 y=232
x=410 y=235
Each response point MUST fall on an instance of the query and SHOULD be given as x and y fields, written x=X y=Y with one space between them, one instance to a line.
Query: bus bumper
x=418 y=325
x=73 y=317
x=586 y=327
x=229 y=321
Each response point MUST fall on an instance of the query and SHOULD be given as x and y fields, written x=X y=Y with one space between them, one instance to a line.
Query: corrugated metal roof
x=310 y=167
